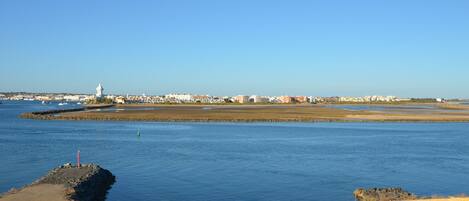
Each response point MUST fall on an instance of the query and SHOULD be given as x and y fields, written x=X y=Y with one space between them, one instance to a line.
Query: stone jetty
x=68 y=182
x=49 y=114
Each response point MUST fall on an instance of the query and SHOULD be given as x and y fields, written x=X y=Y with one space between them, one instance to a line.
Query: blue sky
x=409 y=48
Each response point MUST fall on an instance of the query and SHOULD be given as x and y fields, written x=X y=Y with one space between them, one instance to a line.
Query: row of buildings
x=191 y=98
x=270 y=99
x=46 y=97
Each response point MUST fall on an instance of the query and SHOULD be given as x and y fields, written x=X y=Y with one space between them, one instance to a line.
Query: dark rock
x=88 y=182
x=383 y=194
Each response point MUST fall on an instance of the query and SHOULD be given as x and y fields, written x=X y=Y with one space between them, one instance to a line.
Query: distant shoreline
x=263 y=113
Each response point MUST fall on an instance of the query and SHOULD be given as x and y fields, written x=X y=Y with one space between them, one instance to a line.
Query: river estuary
x=239 y=161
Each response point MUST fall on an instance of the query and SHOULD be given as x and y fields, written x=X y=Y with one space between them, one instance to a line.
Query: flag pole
x=78 y=158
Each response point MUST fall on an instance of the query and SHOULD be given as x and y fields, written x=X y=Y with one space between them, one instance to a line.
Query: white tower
x=99 y=91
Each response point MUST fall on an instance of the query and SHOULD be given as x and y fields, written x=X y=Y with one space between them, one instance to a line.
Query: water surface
x=239 y=161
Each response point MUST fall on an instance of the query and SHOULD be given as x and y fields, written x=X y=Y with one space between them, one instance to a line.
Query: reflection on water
x=239 y=161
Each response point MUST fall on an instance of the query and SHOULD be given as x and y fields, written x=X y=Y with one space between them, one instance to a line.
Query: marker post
x=78 y=158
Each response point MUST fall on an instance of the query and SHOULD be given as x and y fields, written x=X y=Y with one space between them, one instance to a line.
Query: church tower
x=99 y=91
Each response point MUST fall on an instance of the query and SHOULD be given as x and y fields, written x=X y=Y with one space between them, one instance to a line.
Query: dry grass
x=252 y=113
x=436 y=117
x=219 y=113
x=453 y=106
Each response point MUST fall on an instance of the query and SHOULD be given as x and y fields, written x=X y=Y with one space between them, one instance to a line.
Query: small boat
x=138 y=133
x=60 y=104
x=78 y=103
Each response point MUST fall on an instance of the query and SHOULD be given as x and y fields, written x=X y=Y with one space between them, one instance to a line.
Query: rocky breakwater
x=88 y=182
x=383 y=194
x=398 y=194
x=50 y=114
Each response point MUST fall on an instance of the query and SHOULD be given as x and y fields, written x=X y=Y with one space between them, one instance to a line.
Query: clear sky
x=409 y=48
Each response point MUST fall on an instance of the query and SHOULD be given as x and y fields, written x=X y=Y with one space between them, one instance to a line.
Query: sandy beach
x=40 y=192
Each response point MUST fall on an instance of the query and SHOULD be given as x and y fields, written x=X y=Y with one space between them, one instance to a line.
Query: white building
x=119 y=100
x=258 y=99
x=180 y=97
x=242 y=99
x=99 y=91
x=72 y=97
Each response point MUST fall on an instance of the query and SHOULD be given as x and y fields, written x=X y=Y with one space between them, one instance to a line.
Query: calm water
x=234 y=161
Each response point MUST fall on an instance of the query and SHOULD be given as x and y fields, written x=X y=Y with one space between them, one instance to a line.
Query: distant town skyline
x=99 y=92
x=174 y=98
x=320 y=48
